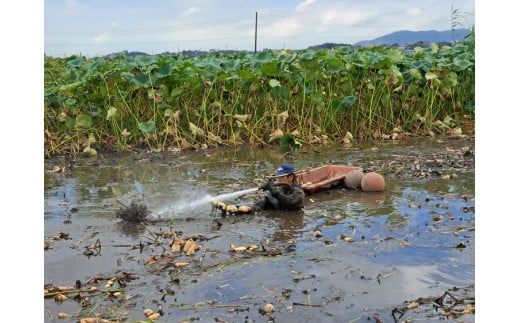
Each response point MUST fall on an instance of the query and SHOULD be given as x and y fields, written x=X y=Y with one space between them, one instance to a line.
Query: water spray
x=183 y=207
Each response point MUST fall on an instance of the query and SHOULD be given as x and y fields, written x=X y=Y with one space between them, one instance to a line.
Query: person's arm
x=294 y=199
x=267 y=186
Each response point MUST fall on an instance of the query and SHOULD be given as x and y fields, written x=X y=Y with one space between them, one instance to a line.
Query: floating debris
x=267 y=309
x=134 y=213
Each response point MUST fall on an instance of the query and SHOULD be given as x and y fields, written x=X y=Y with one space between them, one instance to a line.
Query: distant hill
x=327 y=46
x=406 y=37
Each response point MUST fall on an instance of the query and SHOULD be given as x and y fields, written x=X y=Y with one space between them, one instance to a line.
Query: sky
x=99 y=27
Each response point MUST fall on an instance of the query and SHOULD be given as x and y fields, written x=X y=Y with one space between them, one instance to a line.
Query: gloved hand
x=267 y=186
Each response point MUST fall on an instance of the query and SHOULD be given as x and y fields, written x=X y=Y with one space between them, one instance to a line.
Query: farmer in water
x=282 y=197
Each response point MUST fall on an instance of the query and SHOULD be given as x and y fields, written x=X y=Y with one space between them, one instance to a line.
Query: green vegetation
x=287 y=97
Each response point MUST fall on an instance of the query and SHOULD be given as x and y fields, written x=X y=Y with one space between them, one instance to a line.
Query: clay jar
x=353 y=179
x=372 y=182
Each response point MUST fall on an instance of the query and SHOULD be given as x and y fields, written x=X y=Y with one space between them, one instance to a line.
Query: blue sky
x=97 y=27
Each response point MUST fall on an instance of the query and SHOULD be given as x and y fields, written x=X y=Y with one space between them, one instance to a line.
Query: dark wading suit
x=281 y=197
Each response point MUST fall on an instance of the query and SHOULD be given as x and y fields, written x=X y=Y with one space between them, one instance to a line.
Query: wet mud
x=348 y=256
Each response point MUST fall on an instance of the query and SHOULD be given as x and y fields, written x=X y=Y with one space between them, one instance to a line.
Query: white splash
x=183 y=207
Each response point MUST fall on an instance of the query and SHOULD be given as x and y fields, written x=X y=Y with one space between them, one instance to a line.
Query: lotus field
x=163 y=102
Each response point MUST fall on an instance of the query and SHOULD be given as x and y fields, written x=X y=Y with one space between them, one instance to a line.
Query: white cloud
x=190 y=11
x=346 y=17
x=114 y=23
x=413 y=11
x=303 y=5
x=284 y=28
x=101 y=38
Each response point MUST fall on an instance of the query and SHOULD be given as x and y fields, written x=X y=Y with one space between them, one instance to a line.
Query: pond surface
x=415 y=240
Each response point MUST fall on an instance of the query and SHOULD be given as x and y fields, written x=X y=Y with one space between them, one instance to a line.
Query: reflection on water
x=287 y=224
x=131 y=229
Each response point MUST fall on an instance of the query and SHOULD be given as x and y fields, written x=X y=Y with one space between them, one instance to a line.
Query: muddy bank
x=348 y=255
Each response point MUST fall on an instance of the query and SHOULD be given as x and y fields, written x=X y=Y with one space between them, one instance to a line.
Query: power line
x=143 y=30
x=145 y=42
x=352 y=23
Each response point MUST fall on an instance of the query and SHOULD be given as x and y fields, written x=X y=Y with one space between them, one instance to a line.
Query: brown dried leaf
x=405 y=243
x=57 y=169
x=177 y=244
x=60 y=298
x=242 y=117
x=281 y=119
x=90 y=151
x=275 y=135
x=125 y=133
x=190 y=247
x=196 y=131
x=413 y=305
x=58 y=236
x=154 y=316
x=63 y=315
x=168 y=234
x=181 y=264
x=469 y=309
x=151 y=260
x=347 y=239
x=147 y=312
x=93 y=320
x=295 y=133
x=214 y=138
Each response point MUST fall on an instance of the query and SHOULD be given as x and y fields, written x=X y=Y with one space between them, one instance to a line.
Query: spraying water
x=186 y=206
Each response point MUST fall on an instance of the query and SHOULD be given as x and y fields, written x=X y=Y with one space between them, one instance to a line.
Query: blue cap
x=284 y=169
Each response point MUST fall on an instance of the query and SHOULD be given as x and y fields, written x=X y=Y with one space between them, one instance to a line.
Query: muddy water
x=404 y=240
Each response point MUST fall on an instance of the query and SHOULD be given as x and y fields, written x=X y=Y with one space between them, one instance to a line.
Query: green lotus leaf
x=176 y=92
x=274 y=83
x=168 y=113
x=270 y=69
x=164 y=71
x=83 y=121
x=430 y=75
x=246 y=74
x=111 y=113
x=309 y=55
x=145 y=60
x=462 y=62
x=336 y=63
x=435 y=48
x=139 y=80
x=70 y=102
x=348 y=101
x=71 y=86
x=288 y=139
x=70 y=123
x=395 y=55
x=418 y=50
x=415 y=73
x=147 y=127
x=451 y=79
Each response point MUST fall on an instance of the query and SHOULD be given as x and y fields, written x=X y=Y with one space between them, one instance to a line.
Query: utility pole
x=256 y=28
